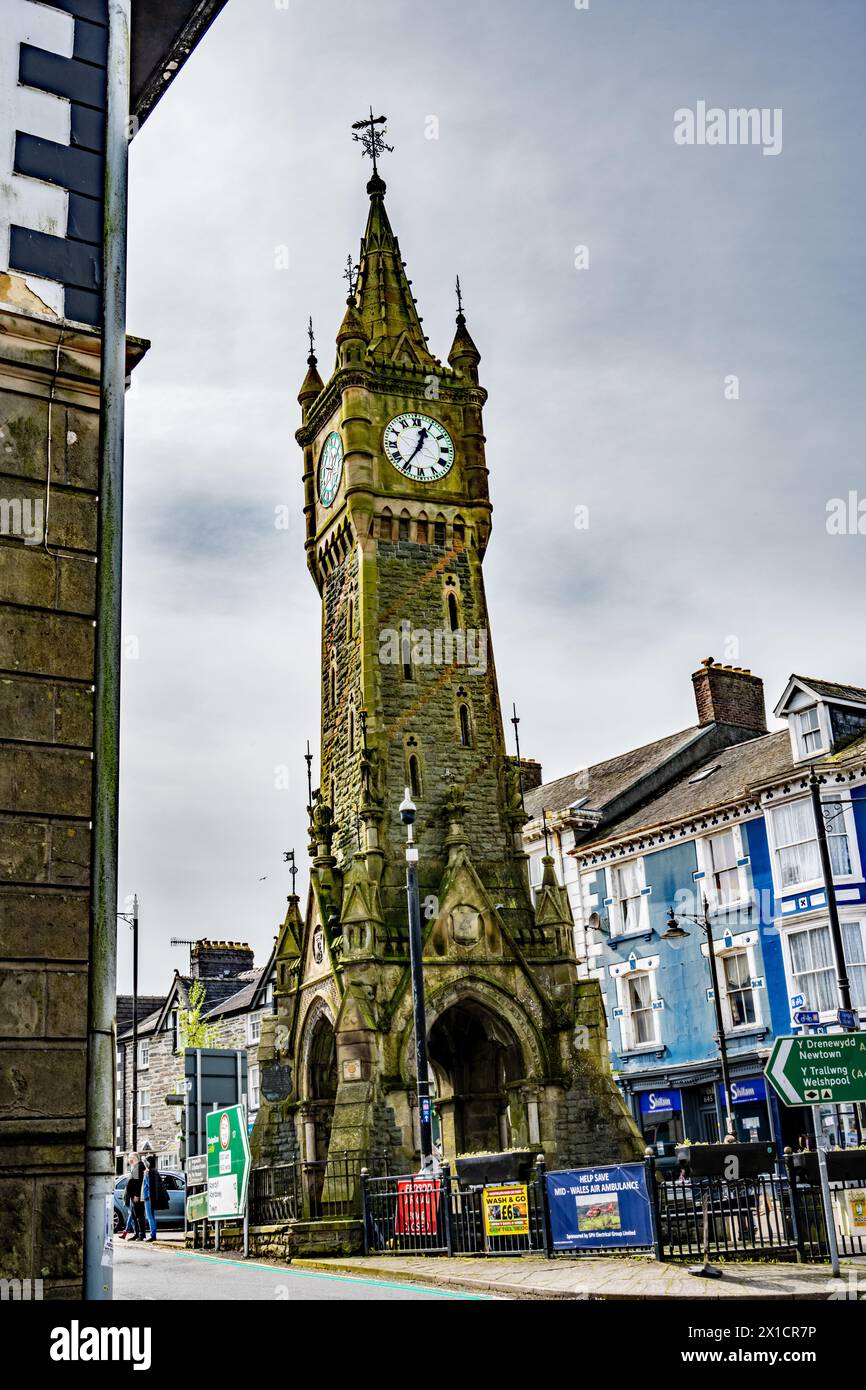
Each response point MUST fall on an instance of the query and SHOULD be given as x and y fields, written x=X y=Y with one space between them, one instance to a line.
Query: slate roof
x=603 y=782
x=242 y=999
x=147 y=1003
x=738 y=769
x=830 y=690
x=216 y=992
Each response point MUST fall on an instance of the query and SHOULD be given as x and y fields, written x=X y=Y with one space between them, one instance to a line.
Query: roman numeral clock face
x=419 y=448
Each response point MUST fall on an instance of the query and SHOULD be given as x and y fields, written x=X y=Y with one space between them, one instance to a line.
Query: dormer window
x=810 y=735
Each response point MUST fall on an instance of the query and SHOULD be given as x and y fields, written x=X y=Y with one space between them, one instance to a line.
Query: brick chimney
x=729 y=695
x=216 y=960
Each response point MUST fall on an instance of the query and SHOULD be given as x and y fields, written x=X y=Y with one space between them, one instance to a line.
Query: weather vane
x=312 y=337
x=289 y=857
x=459 y=297
x=350 y=274
x=372 y=140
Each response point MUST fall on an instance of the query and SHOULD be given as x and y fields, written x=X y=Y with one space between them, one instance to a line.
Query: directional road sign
x=228 y=1162
x=819 y=1068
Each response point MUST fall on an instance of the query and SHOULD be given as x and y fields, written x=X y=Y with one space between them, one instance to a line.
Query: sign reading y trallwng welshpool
x=228 y=1162
x=819 y=1068
x=603 y=1208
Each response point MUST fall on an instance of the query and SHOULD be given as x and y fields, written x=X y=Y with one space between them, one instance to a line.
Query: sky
x=650 y=510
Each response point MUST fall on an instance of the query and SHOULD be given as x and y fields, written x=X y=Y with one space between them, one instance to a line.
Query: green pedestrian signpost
x=228 y=1166
x=822 y=1068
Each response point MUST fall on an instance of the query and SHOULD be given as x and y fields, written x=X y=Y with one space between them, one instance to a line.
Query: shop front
x=661 y=1116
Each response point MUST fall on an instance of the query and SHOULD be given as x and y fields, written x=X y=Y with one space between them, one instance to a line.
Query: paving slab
x=616 y=1279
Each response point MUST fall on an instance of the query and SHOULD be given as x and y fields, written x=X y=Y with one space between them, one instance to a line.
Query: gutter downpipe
x=102 y=976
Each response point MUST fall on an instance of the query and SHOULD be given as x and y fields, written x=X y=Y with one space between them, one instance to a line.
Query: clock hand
x=419 y=446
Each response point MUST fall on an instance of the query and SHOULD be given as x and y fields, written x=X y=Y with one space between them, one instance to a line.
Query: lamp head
x=675 y=934
x=408 y=809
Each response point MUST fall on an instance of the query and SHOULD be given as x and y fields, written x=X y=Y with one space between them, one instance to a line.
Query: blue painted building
x=720 y=812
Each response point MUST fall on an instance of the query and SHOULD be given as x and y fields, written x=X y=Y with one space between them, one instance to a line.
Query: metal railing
x=310 y=1189
x=740 y=1217
x=414 y=1214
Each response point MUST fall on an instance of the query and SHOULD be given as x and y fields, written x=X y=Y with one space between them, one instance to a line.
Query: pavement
x=166 y=1272
x=596 y=1277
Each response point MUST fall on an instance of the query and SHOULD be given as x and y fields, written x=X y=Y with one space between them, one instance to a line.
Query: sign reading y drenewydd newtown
x=228 y=1162
x=600 y=1208
x=823 y=1067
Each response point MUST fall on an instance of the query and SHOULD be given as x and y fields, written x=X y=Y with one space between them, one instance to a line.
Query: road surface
x=142 y=1272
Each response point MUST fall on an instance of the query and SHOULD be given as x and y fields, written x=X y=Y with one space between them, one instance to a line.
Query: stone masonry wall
x=47 y=632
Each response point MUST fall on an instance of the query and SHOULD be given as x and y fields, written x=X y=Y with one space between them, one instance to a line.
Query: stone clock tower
x=398 y=520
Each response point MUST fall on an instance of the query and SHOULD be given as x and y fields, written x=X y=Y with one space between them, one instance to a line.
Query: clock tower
x=398 y=520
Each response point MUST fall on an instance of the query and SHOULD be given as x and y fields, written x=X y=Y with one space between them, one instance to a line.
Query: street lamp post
x=676 y=934
x=131 y=919
x=425 y=1125
x=842 y=981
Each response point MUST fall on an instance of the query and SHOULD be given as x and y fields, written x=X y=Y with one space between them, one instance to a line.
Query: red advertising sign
x=417 y=1204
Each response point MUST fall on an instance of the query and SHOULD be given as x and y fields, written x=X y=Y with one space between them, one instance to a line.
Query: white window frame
x=705 y=865
x=816 y=727
x=254 y=1028
x=618 y=925
x=143 y=1054
x=255 y=1084
x=627 y=1033
x=809 y=885
x=727 y=1013
x=143 y=1113
x=790 y=929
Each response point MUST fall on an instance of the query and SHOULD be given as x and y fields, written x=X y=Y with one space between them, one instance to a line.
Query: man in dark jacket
x=133 y=1198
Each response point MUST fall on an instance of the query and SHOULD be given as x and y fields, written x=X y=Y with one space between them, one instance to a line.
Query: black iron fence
x=310 y=1190
x=767 y=1215
x=413 y=1214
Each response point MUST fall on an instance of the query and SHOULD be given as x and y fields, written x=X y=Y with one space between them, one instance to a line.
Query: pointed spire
x=352 y=338
x=464 y=355
x=313 y=383
x=383 y=295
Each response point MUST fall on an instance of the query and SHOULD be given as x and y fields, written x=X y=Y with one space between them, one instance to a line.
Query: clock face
x=330 y=468
x=419 y=448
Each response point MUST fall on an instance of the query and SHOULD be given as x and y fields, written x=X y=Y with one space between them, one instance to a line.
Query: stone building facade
x=238 y=997
x=398 y=521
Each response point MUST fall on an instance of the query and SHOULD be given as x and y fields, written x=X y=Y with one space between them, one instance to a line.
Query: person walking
x=152 y=1194
x=133 y=1198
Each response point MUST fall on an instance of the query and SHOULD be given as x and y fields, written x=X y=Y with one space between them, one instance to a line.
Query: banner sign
x=600 y=1208
x=744 y=1092
x=506 y=1210
x=417 y=1206
x=661 y=1103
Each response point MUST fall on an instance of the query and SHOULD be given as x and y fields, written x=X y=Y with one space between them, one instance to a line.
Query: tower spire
x=464 y=355
x=313 y=383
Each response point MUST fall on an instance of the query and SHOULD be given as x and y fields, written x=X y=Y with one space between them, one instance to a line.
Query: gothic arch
x=318 y=1014
x=500 y=1004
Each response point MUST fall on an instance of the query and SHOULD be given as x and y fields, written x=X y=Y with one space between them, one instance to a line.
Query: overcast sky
x=707 y=527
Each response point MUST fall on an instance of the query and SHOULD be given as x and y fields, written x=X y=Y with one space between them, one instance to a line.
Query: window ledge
x=658 y=1048
x=750 y=1030
x=640 y=934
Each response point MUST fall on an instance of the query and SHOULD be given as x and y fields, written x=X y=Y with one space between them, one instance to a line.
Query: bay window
x=813 y=970
x=796 y=842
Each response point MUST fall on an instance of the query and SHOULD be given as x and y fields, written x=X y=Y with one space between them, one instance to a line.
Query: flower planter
x=713 y=1160
x=474 y=1170
x=842 y=1165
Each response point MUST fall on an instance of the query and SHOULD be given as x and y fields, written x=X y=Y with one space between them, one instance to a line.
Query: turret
x=312 y=383
x=464 y=356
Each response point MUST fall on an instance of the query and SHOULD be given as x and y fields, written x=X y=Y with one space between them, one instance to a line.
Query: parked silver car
x=172 y=1216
